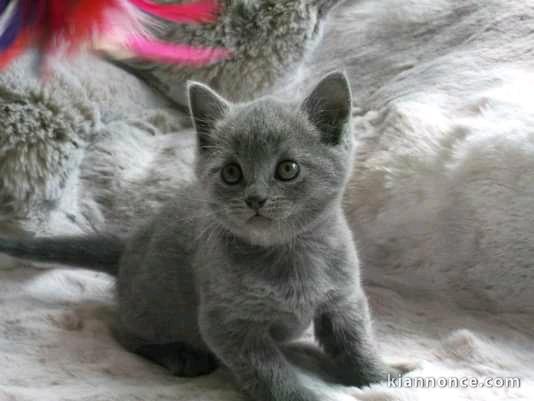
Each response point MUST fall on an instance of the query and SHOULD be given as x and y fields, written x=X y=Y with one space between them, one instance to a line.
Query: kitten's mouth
x=259 y=219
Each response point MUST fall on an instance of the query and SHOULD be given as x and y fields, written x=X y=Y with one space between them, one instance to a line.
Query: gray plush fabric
x=441 y=193
x=51 y=130
x=440 y=201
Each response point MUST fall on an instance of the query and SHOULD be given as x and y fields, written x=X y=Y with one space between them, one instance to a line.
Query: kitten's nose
x=255 y=202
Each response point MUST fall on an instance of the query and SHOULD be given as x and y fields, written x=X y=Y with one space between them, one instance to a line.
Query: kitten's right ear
x=329 y=107
x=206 y=108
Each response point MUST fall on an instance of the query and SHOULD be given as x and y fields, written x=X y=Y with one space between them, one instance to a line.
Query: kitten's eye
x=231 y=174
x=287 y=170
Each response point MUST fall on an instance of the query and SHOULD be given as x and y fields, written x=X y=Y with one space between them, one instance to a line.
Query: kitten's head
x=271 y=169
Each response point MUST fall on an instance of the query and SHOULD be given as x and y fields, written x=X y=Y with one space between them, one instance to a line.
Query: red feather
x=74 y=22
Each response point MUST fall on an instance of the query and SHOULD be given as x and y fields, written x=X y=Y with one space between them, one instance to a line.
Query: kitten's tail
x=99 y=253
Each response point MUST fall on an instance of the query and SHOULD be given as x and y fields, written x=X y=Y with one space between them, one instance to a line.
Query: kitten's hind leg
x=179 y=358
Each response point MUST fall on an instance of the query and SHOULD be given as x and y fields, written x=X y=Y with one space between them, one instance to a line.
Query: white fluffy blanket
x=441 y=205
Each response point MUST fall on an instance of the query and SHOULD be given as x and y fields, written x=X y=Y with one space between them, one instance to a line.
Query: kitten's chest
x=289 y=283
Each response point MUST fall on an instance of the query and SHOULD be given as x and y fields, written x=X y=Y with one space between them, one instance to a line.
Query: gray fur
x=269 y=40
x=212 y=279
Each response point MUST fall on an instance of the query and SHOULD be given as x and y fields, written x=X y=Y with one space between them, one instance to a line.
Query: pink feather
x=172 y=53
x=198 y=11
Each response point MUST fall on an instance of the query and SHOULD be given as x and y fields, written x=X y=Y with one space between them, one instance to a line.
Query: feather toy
x=66 y=26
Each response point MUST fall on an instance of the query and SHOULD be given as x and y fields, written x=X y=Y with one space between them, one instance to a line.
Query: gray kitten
x=269 y=39
x=243 y=260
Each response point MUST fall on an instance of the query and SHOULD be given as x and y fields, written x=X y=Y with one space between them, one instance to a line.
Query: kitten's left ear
x=206 y=108
x=329 y=107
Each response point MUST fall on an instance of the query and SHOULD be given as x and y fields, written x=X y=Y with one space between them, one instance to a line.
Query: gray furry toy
x=269 y=41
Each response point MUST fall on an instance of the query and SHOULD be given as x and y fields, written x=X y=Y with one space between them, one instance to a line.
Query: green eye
x=287 y=170
x=231 y=174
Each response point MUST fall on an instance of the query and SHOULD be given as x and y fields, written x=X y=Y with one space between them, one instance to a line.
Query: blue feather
x=11 y=24
x=3 y=5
